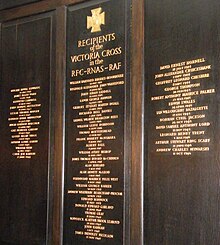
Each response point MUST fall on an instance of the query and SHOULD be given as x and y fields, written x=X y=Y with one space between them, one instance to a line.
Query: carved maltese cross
x=96 y=20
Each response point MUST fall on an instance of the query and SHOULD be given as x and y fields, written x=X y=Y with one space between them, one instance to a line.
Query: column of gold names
x=182 y=120
x=24 y=121
x=95 y=123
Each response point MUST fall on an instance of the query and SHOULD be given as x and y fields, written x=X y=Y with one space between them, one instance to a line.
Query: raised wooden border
x=34 y=8
x=11 y=3
x=58 y=190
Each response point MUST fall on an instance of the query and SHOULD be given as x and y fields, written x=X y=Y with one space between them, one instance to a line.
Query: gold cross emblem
x=96 y=20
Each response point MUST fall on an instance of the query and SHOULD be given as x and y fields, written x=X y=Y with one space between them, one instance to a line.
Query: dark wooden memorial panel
x=182 y=122
x=24 y=129
x=95 y=124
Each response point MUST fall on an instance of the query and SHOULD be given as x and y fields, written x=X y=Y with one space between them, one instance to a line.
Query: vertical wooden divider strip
x=137 y=168
x=59 y=125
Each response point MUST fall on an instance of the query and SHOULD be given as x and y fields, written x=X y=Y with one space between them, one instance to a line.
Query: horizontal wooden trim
x=34 y=8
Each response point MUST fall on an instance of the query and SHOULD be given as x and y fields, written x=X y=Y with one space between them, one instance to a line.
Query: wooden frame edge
x=137 y=78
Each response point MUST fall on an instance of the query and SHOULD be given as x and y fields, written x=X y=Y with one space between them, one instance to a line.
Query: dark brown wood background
x=14 y=3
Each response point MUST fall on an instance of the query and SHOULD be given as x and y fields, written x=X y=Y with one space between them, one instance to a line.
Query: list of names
x=95 y=184
x=24 y=121
x=182 y=107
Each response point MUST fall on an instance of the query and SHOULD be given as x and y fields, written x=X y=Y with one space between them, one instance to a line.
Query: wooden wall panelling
x=5 y=4
x=35 y=8
x=55 y=224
